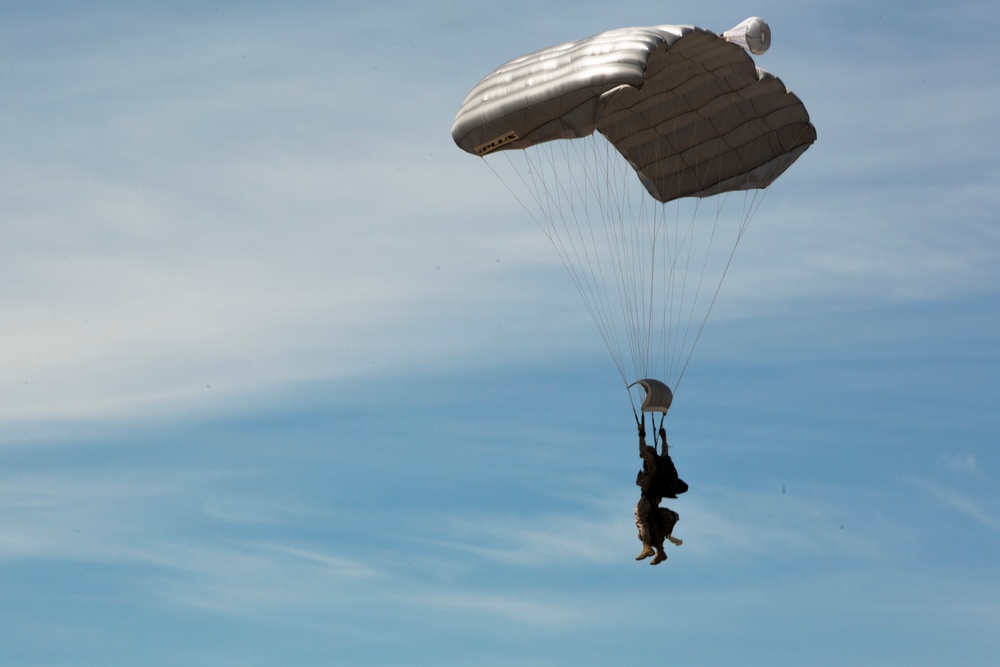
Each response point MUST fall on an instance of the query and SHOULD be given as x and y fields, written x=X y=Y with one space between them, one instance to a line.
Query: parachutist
x=658 y=479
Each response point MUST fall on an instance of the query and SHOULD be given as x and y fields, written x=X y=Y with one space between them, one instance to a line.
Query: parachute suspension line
x=663 y=254
x=744 y=224
x=609 y=183
x=542 y=196
x=666 y=287
x=622 y=223
x=753 y=199
x=660 y=279
x=592 y=186
x=602 y=182
x=649 y=310
x=634 y=412
x=571 y=245
x=553 y=200
x=628 y=247
x=632 y=255
x=680 y=262
x=639 y=241
x=663 y=441
x=682 y=344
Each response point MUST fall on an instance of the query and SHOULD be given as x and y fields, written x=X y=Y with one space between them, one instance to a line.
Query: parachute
x=624 y=147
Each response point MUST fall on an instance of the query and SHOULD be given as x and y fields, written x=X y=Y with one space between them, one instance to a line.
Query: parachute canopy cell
x=687 y=108
x=658 y=396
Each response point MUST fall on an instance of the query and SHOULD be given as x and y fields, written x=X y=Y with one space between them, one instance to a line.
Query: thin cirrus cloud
x=179 y=235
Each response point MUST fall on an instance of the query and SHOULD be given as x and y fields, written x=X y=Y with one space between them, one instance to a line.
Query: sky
x=288 y=378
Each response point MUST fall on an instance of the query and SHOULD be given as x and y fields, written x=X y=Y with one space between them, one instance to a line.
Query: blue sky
x=286 y=378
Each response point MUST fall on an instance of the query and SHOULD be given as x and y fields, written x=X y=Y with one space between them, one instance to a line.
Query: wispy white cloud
x=981 y=508
x=237 y=237
x=201 y=209
x=963 y=463
x=218 y=215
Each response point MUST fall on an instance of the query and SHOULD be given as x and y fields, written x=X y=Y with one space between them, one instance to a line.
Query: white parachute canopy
x=623 y=147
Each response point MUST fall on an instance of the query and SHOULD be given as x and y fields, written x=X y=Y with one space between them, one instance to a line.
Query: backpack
x=665 y=483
